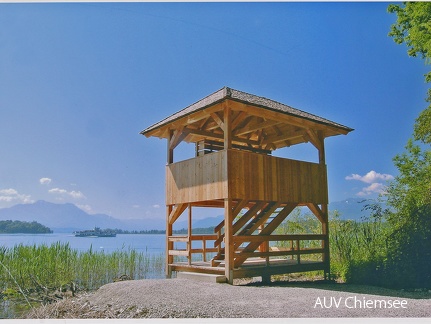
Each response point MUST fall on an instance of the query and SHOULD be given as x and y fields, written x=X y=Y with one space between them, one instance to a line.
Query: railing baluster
x=298 y=248
x=204 y=247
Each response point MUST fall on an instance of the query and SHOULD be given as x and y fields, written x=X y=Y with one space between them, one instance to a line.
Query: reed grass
x=357 y=249
x=27 y=269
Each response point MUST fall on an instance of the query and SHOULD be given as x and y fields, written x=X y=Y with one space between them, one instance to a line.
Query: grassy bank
x=43 y=273
x=357 y=249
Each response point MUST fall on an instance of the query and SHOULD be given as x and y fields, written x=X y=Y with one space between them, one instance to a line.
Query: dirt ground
x=185 y=298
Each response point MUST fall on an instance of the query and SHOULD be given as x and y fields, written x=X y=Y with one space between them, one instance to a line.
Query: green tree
x=409 y=195
x=413 y=27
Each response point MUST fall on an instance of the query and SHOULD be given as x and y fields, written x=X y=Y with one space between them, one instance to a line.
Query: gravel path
x=185 y=298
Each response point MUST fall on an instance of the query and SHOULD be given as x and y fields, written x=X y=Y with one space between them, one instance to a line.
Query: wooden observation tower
x=233 y=169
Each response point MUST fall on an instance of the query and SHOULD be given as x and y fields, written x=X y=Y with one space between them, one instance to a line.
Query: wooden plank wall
x=250 y=176
x=199 y=179
x=261 y=177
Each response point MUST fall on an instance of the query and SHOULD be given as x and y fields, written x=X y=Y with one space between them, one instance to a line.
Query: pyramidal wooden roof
x=258 y=121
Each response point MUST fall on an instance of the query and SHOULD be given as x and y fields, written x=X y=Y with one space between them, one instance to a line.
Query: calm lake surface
x=148 y=243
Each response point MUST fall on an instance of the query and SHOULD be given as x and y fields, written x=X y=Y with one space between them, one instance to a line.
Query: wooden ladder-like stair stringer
x=246 y=225
x=269 y=228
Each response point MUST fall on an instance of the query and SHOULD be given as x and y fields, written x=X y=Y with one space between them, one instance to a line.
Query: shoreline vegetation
x=41 y=274
x=36 y=275
x=15 y=227
x=200 y=230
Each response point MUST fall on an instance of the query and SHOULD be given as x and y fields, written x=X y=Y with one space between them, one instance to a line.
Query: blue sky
x=79 y=81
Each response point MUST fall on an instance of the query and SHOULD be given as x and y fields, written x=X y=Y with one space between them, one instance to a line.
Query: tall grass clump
x=41 y=272
x=358 y=249
x=298 y=223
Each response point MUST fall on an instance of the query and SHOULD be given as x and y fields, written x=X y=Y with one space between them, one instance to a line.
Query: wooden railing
x=266 y=250
x=188 y=251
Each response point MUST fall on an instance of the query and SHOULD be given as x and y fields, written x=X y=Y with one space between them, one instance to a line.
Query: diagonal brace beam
x=176 y=212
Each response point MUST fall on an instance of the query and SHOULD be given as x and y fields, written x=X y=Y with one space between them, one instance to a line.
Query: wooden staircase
x=263 y=217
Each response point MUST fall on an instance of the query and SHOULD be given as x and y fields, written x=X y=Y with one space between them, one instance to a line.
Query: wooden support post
x=169 y=245
x=325 y=242
x=298 y=249
x=170 y=155
x=227 y=128
x=266 y=278
x=322 y=159
x=291 y=248
x=267 y=250
x=204 y=250
x=324 y=209
x=229 y=245
x=189 y=236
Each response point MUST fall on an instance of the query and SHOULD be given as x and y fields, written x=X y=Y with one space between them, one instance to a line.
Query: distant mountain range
x=352 y=208
x=68 y=218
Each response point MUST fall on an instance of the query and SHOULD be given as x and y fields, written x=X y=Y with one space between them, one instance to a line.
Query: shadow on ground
x=343 y=287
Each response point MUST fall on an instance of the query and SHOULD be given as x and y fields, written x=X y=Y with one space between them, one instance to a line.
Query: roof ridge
x=237 y=95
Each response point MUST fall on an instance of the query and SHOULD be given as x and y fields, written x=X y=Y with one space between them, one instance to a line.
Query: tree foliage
x=412 y=187
x=9 y=226
x=409 y=241
x=413 y=27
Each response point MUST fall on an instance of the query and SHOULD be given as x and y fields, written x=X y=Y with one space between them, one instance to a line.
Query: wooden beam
x=260 y=218
x=314 y=138
x=278 y=237
x=227 y=130
x=239 y=206
x=286 y=136
x=240 y=117
x=219 y=136
x=243 y=220
x=325 y=243
x=284 y=118
x=317 y=212
x=170 y=151
x=177 y=137
x=189 y=236
x=218 y=120
x=203 y=123
x=247 y=216
x=169 y=245
x=229 y=251
x=258 y=124
x=244 y=121
x=176 y=212
x=322 y=159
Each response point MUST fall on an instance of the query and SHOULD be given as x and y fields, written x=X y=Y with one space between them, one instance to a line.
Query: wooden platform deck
x=253 y=267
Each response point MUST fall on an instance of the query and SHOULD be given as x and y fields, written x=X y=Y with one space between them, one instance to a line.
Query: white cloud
x=156 y=206
x=57 y=191
x=375 y=181
x=370 y=177
x=8 y=192
x=63 y=192
x=12 y=195
x=45 y=181
x=86 y=208
x=373 y=188
x=6 y=198
x=76 y=194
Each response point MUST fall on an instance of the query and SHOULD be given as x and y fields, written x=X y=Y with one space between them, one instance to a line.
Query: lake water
x=149 y=244
x=152 y=244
